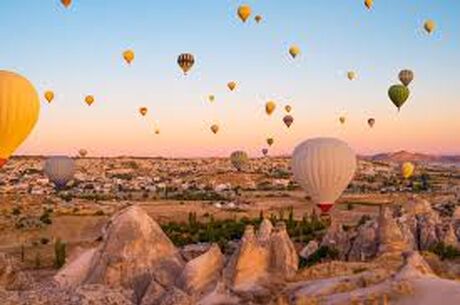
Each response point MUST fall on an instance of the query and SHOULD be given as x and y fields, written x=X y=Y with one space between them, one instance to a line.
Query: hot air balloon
x=215 y=128
x=211 y=98
x=19 y=111
x=294 y=51
x=49 y=96
x=244 y=11
x=231 y=86
x=128 y=56
x=351 y=75
x=258 y=18
x=82 y=152
x=89 y=99
x=368 y=3
x=270 y=107
x=398 y=95
x=66 y=3
x=406 y=77
x=143 y=111
x=371 y=122
x=59 y=170
x=157 y=131
x=288 y=108
x=288 y=120
x=429 y=26
x=323 y=167
x=342 y=120
x=186 y=62
x=407 y=170
x=239 y=159
x=264 y=151
x=270 y=141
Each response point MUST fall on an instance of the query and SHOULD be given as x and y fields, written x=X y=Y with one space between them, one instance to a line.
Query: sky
x=78 y=51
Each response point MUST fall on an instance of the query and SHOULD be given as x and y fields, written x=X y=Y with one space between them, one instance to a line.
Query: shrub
x=445 y=251
x=60 y=253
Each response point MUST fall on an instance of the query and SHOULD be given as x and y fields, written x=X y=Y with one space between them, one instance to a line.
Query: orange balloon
x=66 y=3
x=231 y=86
x=49 y=96
x=128 y=55
x=143 y=111
x=89 y=100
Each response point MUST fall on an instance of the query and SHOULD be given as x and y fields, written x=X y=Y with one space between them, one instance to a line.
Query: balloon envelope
x=66 y=3
x=429 y=26
x=59 y=170
x=294 y=51
x=128 y=55
x=49 y=96
x=264 y=151
x=244 y=11
x=398 y=95
x=270 y=141
x=215 y=128
x=368 y=4
x=406 y=77
x=239 y=159
x=186 y=61
x=407 y=169
x=371 y=122
x=19 y=111
x=323 y=167
x=270 y=106
x=288 y=120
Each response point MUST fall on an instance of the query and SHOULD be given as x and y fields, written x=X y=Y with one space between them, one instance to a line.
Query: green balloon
x=398 y=95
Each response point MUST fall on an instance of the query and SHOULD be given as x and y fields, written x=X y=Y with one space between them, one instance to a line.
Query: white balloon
x=59 y=170
x=324 y=167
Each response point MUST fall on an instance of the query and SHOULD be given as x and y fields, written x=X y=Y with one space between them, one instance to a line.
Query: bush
x=445 y=251
x=46 y=217
x=60 y=253
x=322 y=254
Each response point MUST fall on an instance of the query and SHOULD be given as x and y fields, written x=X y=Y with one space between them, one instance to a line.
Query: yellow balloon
x=128 y=55
x=211 y=98
x=270 y=106
x=231 y=86
x=89 y=100
x=429 y=26
x=288 y=108
x=19 y=111
x=49 y=96
x=244 y=11
x=368 y=4
x=294 y=51
x=342 y=120
x=351 y=75
x=407 y=169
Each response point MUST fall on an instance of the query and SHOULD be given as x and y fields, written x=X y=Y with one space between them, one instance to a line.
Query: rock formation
x=134 y=253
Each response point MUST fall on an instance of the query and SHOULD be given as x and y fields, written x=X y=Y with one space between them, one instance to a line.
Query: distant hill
x=403 y=156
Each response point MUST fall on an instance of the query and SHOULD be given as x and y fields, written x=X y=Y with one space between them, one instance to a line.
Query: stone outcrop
x=390 y=237
x=364 y=243
x=336 y=238
x=262 y=257
x=134 y=253
x=202 y=273
x=309 y=249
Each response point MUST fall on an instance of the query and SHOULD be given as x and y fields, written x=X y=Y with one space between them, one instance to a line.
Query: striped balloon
x=59 y=170
x=323 y=167
x=185 y=62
